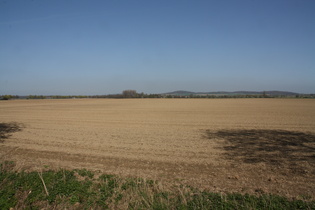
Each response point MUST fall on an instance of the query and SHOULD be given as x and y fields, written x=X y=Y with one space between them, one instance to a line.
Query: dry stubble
x=168 y=139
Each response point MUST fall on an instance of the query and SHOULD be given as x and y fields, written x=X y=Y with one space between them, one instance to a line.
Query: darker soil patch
x=273 y=147
x=6 y=130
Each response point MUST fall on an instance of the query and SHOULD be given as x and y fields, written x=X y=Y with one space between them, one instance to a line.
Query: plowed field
x=224 y=145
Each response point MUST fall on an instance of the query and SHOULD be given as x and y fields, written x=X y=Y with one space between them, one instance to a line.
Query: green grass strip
x=81 y=189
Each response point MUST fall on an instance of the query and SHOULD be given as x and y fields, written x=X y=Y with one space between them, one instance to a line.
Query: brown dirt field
x=222 y=145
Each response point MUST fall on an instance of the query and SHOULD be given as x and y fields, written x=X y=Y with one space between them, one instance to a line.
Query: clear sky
x=154 y=46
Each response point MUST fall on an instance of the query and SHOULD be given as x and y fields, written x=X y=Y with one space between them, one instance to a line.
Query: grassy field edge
x=83 y=189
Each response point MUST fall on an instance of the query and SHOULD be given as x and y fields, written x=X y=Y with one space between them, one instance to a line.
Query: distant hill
x=179 y=93
x=270 y=93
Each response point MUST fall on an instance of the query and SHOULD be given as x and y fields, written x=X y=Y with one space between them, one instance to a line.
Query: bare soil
x=222 y=145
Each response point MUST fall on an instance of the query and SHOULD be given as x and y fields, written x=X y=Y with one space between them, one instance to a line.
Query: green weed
x=64 y=189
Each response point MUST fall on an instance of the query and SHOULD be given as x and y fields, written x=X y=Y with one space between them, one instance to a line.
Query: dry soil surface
x=222 y=145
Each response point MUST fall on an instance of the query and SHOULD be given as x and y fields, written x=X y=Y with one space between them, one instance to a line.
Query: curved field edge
x=83 y=189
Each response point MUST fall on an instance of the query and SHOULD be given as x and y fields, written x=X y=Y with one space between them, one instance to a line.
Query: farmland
x=222 y=145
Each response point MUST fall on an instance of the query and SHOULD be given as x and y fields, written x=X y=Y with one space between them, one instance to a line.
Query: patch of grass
x=64 y=189
x=85 y=173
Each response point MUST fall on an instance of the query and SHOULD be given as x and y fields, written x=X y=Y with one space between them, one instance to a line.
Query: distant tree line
x=8 y=97
x=135 y=94
x=242 y=96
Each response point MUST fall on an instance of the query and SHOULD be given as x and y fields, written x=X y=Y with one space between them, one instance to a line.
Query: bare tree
x=129 y=94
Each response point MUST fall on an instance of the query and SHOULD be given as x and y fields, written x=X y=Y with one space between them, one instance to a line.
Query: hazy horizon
x=168 y=92
x=105 y=47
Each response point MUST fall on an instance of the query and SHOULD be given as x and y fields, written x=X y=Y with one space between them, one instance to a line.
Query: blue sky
x=154 y=46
